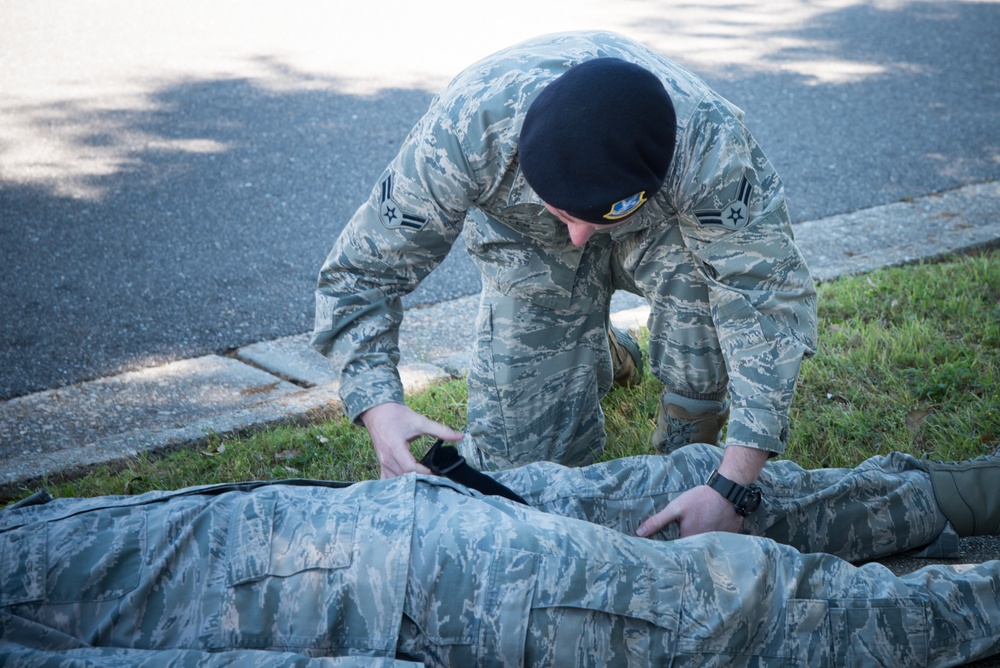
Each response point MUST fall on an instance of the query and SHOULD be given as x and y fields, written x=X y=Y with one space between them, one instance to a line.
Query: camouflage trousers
x=541 y=364
x=418 y=569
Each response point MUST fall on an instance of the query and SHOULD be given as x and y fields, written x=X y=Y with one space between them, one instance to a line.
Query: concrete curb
x=275 y=382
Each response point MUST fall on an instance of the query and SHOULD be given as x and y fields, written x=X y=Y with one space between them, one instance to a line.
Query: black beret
x=598 y=140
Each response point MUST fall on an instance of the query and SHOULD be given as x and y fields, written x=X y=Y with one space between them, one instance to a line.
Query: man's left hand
x=698 y=510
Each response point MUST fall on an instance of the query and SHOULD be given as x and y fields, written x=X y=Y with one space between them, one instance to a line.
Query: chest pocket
x=274 y=535
x=523 y=255
x=290 y=584
x=520 y=248
x=22 y=565
x=97 y=557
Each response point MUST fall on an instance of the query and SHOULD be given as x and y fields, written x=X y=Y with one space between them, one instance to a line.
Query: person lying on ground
x=418 y=569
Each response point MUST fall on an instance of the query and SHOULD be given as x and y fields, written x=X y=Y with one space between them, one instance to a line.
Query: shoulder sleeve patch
x=733 y=216
x=391 y=214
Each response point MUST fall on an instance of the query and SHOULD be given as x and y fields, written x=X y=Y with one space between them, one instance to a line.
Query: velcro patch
x=626 y=207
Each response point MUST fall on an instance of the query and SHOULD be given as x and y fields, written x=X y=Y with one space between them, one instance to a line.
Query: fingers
x=395 y=458
x=396 y=463
x=698 y=510
x=392 y=428
x=659 y=520
x=442 y=431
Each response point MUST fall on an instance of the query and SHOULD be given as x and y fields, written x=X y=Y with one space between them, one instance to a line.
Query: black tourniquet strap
x=444 y=460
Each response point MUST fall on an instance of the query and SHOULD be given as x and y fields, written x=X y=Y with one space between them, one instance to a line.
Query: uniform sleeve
x=762 y=298
x=393 y=241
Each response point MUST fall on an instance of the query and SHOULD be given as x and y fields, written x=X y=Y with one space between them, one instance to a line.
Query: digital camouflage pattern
x=732 y=302
x=417 y=569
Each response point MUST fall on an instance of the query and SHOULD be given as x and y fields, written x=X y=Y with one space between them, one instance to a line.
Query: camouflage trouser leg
x=497 y=584
x=757 y=602
x=884 y=506
x=538 y=374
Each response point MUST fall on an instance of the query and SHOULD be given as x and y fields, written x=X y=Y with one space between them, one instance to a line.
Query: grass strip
x=908 y=360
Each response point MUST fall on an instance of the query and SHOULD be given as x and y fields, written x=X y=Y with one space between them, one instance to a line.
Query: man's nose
x=580 y=234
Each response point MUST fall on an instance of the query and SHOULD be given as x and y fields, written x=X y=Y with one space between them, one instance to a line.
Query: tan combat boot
x=968 y=493
x=626 y=358
x=681 y=420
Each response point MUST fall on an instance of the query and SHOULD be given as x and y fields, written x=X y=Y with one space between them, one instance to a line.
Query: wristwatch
x=745 y=499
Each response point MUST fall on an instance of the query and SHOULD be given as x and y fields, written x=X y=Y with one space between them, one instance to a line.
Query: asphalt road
x=173 y=174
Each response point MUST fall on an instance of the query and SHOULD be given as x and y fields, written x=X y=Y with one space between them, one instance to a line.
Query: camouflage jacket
x=198 y=576
x=462 y=157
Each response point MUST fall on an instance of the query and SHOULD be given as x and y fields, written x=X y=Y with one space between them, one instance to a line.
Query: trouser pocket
x=586 y=612
x=856 y=632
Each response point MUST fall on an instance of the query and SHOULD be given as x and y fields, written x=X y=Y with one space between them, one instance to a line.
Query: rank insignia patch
x=733 y=216
x=626 y=207
x=390 y=213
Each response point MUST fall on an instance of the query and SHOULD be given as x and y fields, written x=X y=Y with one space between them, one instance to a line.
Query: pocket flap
x=22 y=565
x=287 y=531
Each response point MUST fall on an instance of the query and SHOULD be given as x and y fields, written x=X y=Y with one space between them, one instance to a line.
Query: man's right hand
x=392 y=428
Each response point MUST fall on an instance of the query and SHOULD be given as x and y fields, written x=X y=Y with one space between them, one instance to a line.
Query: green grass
x=908 y=360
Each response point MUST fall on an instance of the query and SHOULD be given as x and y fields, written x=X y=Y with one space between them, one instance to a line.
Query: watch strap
x=745 y=498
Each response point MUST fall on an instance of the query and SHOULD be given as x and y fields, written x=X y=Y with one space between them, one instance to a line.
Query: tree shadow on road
x=862 y=103
x=195 y=220
x=192 y=223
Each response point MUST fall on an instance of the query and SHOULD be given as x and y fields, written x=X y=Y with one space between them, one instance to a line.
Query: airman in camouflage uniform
x=732 y=302
x=419 y=569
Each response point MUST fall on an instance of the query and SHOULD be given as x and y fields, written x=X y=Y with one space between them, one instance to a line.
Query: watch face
x=750 y=500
